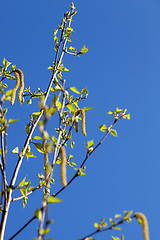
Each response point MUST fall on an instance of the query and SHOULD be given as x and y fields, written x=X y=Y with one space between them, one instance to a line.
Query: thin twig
x=45 y=201
x=20 y=230
x=105 y=229
x=27 y=194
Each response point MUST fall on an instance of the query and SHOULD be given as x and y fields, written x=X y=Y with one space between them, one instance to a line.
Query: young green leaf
x=87 y=108
x=13 y=120
x=118 y=110
x=36 y=114
x=103 y=128
x=30 y=188
x=21 y=184
x=29 y=102
x=71 y=107
x=45 y=231
x=96 y=225
x=15 y=150
x=6 y=63
x=111 y=112
x=90 y=144
x=37 y=138
x=24 y=202
x=9 y=93
x=128 y=116
x=113 y=132
x=24 y=192
x=27 y=127
x=74 y=89
x=39 y=147
x=38 y=214
x=84 y=49
x=53 y=199
x=29 y=154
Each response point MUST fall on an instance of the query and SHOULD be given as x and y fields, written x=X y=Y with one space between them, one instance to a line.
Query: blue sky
x=121 y=69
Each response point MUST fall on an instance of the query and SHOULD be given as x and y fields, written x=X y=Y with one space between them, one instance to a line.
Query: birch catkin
x=45 y=153
x=76 y=126
x=15 y=88
x=143 y=218
x=20 y=92
x=77 y=112
x=19 y=80
x=83 y=123
x=63 y=166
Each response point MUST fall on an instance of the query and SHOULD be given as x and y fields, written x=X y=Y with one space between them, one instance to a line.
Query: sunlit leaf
x=84 y=49
x=30 y=188
x=45 y=231
x=74 y=89
x=22 y=182
x=96 y=225
x=29 y=154
x=113 y=132
x=37 y=138
x=6 y=63
x=24 y=202
x=128 y=116
x=103 y=128
x=27 y=127
x=71 y=107
x=118 y=110
x=72 y=144
x=52 y=181
x=39 y=147
x=36 y=114
x=29 y=102
x=53 y=199
x=9 y=93
x=24 y=192
x=87 y=108
x=15 y=150
x=13 y=120
x=90 y=144
x=38 y=214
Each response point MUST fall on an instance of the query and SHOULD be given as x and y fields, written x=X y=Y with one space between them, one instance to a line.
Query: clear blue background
x=121 y=69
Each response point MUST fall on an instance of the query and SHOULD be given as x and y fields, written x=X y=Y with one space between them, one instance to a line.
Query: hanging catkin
x=19 y=80
x=77 y=112
x=15 y=88
x=76 y=125
x=20 y=92
x=63 y=166
x=45 y=154
x=83 y=122
x=143 y=218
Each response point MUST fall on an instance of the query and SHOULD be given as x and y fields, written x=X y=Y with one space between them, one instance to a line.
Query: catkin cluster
x=83 y=121
x=143 y=218
x=19 y=80
x=63 y=166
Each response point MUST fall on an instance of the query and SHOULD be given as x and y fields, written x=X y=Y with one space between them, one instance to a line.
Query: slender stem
x=56 y=151
x=30 y=192
x=106 y=229
x=20 y=230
